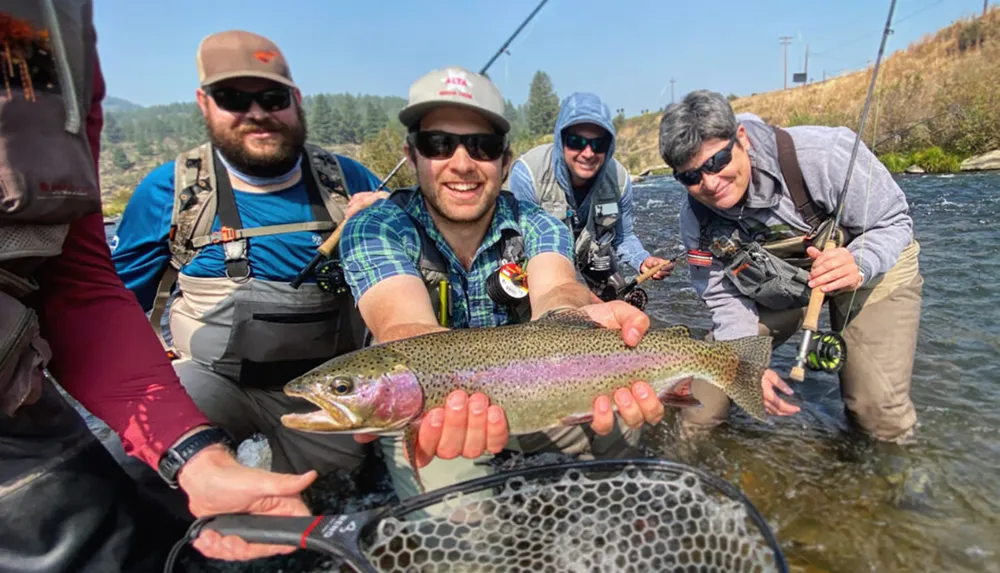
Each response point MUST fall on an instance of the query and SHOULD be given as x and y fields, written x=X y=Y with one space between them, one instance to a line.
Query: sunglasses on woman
x=713 y=164
x=239 y=101
x=442 y=145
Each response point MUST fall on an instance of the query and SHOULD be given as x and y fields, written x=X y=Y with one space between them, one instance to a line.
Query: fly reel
x=827 y=352
x=330 y=277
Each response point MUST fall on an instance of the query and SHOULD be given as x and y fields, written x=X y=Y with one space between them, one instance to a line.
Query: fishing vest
x=48 y=176
x=772 y=273
x=434 y=267
x=257 y=332
x=594 y=234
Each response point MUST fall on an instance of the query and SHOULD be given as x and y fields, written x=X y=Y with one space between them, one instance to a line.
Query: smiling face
x=257 y=142
x=458 y=189
x=584 y=164
x=726 y=188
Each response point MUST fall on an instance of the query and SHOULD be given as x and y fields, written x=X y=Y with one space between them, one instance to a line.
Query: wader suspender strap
x=237 y=263
x=792 y=173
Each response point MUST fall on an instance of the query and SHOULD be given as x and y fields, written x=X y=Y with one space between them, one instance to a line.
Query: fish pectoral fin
x=570 y=317
x=410 y=450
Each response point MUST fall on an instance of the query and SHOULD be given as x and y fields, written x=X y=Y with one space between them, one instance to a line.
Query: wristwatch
x=175 y=458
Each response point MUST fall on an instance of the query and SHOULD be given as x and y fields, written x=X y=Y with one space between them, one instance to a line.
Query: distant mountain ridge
x=112 y=103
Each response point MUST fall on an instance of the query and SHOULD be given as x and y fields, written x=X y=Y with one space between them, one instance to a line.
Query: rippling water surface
x=841 y=505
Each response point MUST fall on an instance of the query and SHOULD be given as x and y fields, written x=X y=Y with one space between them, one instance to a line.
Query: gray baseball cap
x=455 y=86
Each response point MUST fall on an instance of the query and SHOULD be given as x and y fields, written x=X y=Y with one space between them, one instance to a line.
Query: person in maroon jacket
x=66 y=504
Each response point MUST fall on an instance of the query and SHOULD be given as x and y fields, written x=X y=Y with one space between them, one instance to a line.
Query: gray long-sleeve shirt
x=875 y=212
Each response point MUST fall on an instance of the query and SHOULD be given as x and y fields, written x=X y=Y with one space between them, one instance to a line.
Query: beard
x=275 y=159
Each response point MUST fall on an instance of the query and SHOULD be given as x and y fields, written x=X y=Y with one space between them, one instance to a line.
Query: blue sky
x=626 y=51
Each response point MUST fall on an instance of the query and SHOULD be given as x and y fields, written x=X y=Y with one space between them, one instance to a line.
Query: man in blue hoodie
x=577 y=179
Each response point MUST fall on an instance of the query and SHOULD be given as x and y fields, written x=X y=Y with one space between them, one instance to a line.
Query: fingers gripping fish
x=544 y=374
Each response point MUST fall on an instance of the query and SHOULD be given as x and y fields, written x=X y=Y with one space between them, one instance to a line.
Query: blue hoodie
x=576 y=109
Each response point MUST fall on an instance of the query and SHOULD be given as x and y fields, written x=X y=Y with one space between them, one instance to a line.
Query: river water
x=839 y=504
x=836 y=503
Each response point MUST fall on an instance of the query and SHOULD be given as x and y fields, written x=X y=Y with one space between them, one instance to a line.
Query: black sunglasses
x=270 y=100
x=579 y=143
x=713 y=164
x=442 y=145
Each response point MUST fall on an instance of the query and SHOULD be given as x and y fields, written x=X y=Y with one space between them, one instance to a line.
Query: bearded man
x=221 y=232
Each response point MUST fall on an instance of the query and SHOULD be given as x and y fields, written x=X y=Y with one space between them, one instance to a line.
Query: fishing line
x=810 y=325
x=868 y=195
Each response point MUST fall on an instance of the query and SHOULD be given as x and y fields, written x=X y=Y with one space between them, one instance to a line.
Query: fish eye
x=342 y=386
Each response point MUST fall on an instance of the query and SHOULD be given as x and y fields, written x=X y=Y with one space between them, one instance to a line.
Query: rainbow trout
x=543 y=374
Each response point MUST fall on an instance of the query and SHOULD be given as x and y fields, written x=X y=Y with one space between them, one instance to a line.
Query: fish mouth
x=330 y=417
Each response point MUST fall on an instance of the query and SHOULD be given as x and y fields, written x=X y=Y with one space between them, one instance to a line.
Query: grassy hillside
x=936 y=102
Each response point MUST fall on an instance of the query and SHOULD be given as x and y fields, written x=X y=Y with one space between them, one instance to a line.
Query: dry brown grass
x=941 y=90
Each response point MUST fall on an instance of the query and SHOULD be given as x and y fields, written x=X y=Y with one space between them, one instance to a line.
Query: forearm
x=407 y=330
x=570 y=295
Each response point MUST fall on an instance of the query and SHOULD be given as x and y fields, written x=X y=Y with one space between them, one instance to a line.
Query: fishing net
x=647 y=515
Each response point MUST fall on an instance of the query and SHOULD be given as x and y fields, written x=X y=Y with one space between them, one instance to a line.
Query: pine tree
x=112 y=130
x=120 y=160
x=321 y=125
x=351 y=127
x=543 y=105
x=375 y=119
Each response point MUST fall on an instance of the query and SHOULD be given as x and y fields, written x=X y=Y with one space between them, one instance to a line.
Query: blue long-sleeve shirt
x=141 y=252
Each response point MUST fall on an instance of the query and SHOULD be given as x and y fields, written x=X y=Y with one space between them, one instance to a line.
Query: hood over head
x=577 y=108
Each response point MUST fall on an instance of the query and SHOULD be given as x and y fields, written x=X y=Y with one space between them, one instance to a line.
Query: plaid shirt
x=381 y=242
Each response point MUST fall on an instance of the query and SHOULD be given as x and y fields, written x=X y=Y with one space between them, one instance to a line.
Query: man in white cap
x=455 y=231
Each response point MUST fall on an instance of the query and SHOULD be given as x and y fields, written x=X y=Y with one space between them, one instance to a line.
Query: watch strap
x=175 y=458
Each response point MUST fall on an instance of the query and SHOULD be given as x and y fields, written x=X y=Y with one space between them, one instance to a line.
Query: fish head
x=371 y=390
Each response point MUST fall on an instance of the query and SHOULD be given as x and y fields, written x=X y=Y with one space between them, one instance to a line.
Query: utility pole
x=807 y=64
x=785 y=40
x=671 y=90
x=986 y=4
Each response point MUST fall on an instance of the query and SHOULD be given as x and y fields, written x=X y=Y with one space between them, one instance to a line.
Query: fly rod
x=324 y=250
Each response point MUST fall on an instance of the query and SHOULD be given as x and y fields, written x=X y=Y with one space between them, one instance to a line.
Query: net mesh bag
x=655 y=516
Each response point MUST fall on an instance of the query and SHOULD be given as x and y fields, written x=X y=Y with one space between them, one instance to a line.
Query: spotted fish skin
x=543 y=373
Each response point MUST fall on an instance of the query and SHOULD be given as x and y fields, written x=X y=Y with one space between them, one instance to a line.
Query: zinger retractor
x=508 y=285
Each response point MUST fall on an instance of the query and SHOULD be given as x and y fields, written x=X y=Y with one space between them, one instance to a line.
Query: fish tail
x=754 y=354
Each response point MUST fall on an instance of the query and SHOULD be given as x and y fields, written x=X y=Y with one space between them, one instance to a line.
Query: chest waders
x=258 y=333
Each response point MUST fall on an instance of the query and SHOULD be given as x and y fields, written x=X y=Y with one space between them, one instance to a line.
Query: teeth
x=462 y=186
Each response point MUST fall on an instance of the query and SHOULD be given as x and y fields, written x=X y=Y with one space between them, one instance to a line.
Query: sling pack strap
x=221 y=237
x=792 y=173
x=432 y=264
x=163 y=291
x=431 y=259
